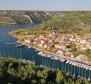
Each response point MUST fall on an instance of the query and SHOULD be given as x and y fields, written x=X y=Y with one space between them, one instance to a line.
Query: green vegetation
x=62 y=22
x=68 y=22
x=13 y=71
x=76 y=52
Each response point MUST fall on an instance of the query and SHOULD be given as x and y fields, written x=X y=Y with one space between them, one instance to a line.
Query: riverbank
x=55 y=56
x=51 y=61
x=51 y=55
x=5 y=24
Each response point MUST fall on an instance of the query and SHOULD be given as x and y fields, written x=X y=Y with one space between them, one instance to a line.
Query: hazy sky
x=45 y=4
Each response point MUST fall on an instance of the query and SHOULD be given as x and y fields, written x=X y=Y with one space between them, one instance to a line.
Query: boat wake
x=10 y=43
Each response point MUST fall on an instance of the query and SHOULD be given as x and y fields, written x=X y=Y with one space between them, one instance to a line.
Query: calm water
x=10 y=50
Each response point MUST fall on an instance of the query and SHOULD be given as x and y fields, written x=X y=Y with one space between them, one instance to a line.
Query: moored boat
x=20 y=45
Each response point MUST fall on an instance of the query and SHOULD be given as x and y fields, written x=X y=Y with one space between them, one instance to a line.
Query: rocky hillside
x=67 y=22
x=23 y=17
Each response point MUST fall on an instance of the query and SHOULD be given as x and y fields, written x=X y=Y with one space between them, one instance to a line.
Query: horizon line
x=41 y=10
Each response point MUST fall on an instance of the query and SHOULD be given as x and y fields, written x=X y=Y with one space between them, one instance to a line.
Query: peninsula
x=69 y=41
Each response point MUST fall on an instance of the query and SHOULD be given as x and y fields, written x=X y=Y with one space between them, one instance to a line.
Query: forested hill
x=13 y=71
x=23 y=17
x=66 y=22
x=72 y=21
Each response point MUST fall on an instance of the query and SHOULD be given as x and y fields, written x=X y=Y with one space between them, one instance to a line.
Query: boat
x=29 y=47
x=90 y=68
x=67 y=61
x=39 y=53
x=62 y=60
x=89 y=79
x=87 y=68
x=20 y=45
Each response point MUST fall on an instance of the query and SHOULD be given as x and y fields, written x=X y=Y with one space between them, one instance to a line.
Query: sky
x=50 y=5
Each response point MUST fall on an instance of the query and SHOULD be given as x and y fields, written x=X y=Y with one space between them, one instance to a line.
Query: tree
x=70 y=81
x=39 y=74
x=78 y=82
x=45 y=74
x=34 y=81
x=65 y=81
x=86 y=82
x=42 y=81
x=59 y=77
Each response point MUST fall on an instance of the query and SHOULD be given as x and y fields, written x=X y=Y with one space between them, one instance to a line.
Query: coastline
x=46 y=59
x=5 y=24
x=68 y=60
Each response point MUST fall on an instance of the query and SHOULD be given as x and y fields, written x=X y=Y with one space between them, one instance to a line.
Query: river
x=10 y=50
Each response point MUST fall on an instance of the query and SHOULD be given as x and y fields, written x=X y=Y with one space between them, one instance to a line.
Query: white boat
x=40 y=53
x=90 y=68
x=48 y=56
x=81 y=66
x=61 y=59
x=77 y=64
x=68 y=61
x=74 y=64
x=89 y=79
x=29 y=47
x=21 y=45
x=86 y=67
x=56 y=58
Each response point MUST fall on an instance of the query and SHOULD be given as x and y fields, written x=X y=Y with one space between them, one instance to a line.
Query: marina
x=71 y=67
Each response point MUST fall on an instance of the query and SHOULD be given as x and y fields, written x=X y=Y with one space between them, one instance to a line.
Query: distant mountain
x=61 y=21
x=23 y=17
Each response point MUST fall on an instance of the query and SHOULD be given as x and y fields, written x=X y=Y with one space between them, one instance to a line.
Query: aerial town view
x=45 y=42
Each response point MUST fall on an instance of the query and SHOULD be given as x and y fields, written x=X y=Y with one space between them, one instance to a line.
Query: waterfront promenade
x=61 y=58
x=65 y=64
